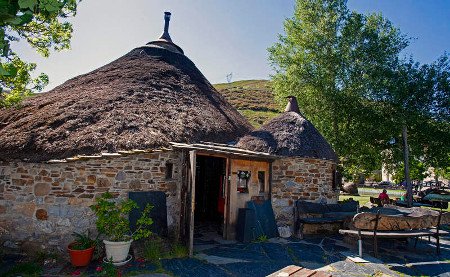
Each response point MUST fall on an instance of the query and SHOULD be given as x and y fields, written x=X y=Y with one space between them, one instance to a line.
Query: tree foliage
x=351 y=83
x=42 y=23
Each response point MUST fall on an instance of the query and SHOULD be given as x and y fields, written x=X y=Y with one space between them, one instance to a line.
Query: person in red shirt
x=384 y=197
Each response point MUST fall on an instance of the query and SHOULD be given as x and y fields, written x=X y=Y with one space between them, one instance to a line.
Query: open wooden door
x=191 y=199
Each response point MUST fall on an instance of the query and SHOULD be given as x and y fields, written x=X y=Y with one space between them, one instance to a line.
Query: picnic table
x=395 y=222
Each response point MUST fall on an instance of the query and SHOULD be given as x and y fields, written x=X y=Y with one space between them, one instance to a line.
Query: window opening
x=169 y=171
x=262 y=180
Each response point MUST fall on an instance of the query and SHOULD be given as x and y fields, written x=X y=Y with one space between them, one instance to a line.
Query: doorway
x=210 y=188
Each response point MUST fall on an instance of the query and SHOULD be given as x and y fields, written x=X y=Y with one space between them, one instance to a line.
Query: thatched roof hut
x=149 y=97
x=289 y=134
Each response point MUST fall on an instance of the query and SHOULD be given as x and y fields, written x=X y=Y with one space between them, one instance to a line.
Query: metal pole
x=359 y=244
x=409 y=192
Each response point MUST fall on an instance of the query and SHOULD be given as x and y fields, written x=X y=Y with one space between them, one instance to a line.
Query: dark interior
x=209 y=191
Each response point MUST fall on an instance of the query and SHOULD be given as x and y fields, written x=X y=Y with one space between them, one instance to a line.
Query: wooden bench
x=309 y=213
x=297 y=271
x=413 y=222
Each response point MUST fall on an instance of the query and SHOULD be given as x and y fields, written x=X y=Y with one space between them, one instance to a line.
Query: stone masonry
x=45 y=202
x=300 y=178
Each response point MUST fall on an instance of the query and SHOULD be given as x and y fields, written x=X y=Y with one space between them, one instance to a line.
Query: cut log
x=407 y=219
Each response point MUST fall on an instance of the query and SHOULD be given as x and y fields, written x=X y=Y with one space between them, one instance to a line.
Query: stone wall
x=300 y=178
x=44 y=203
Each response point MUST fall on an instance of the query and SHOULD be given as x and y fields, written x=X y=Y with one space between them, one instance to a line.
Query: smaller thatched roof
x=289 y=134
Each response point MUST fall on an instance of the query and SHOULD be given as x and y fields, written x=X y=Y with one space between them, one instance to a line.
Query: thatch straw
x=143 y=100
x=289 y=134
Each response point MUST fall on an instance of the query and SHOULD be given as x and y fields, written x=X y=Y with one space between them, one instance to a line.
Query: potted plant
x=81 y=249
x=112 y=221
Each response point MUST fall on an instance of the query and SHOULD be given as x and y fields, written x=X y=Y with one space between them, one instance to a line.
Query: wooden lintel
x=231 y=152
x=56 y=161
x=111 y=154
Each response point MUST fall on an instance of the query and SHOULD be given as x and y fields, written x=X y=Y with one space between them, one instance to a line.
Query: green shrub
x=112 y=218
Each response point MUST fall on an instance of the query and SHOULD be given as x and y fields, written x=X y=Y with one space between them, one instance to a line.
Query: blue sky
x=219 y=36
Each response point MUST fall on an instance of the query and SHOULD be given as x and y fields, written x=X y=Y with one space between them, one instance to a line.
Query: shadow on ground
x=215 y=257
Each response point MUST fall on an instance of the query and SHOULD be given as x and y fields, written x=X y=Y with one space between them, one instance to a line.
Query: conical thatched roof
x=143 y=100
x=289 y=134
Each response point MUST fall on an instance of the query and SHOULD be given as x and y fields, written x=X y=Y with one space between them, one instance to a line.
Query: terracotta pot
x=117 y=251
x=80 y=257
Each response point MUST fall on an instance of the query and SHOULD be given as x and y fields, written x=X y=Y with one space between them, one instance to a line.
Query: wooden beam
x=224 y=150
x=193 y=166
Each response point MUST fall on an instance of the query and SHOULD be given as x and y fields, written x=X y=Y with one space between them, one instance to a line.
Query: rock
x=103 y=182
x=41 y=189
x=350 y=189
x=40 y=200
x=26 y=209
x=32 y=248
x=10 y=244
x=280 y=202
x=63 y=222
x=135 y=185
x=46 y=226
x=41 y=214
x=291 y=184
x=91 y=179
x=121 y=176
x=284 y=231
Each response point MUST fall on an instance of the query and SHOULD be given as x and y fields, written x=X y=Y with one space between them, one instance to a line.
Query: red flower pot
x=80 y=257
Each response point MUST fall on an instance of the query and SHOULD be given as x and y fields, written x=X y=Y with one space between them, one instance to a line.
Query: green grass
x=156 y=249
x=178 y=251
x=254 y=99
x=363 y=199
x=258 y=118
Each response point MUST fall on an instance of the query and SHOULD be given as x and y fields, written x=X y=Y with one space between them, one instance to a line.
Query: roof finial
x=165 y=35
x=292 y=105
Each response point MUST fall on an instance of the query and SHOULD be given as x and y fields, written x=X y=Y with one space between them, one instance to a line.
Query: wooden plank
x=396 y=234
x=226 y=218
x=234 y=149
x=56 y=161
x=304 y=272
x=111 y=155
x=193 y=166
x=223 y=149
x=286 y=271
x=291 y=269
x=297 y=271
x=183 y=196
x=239 y=200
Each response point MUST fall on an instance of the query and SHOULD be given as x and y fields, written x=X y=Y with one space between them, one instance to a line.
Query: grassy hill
x=252 y=98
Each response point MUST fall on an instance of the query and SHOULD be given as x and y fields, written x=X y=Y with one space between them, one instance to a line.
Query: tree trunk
x=409 y=191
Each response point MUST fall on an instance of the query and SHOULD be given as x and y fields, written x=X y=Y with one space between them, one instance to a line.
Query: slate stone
x=309 y=256
x=254 y=269
x=192 y=267
x=249 y=253
x=432 y=269
x=277 y=252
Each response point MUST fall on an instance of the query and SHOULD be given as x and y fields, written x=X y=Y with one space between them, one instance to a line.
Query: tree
x=42 y=23
x=420 y=96
x=334 y=61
